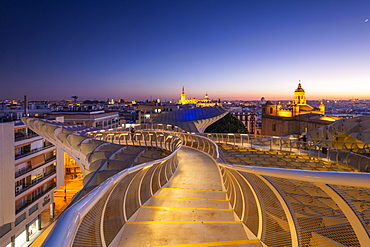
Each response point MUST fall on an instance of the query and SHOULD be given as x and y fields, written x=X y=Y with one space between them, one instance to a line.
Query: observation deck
x=216 y=190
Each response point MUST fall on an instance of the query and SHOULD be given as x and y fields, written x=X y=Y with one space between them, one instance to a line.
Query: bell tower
x=299 y=96
x=183 y=96
x=322 y=108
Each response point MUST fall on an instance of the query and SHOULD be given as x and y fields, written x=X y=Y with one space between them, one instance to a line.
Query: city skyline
x=234 y=50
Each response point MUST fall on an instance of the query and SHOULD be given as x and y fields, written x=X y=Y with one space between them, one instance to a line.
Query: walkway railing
x=358 y=147
x=281 y=207
x=98 y=217
x=161 y=139
x=285 y=207
x=354 y=160
x=168 y=143
x=152 y=126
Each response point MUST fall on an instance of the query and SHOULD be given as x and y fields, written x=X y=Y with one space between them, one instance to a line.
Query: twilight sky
x=150 y=49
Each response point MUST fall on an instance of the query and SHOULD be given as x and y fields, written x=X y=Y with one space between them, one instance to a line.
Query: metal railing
x=30 y=168
x=168 y=143
x=18 y=156
x=281 y=207
x=36 y=181
x=300 y=208
x=354 y=160
x=96 y=219
x=285 y=207
x=357 y=147
x=21 y=136
x=161 y=139
x=51 y=186
x=151 y=126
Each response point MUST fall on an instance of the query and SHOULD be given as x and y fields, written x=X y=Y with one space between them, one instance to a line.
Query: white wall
x=60 y=167
x=7 y=190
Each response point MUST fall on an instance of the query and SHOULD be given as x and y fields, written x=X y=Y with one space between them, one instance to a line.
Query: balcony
x=18 y=156
x=29 y=168
x=35 y=182
x=35 y=198
x=22 y=136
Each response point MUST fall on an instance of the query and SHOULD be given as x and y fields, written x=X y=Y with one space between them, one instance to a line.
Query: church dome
x=299 y=89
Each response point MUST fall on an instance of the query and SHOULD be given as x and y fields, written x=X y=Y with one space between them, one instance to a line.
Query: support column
x=39 y=222
x=12 y=241
x=28 y=232
x=52 y=209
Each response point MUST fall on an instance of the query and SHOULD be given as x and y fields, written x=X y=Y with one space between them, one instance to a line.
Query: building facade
x=295 y=118
x=297 y=107
x=29 y=174
x=248 y=119
x=92 y=118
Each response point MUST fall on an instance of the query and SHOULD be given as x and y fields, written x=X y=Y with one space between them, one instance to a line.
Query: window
x=270 y=110
x=273 y=127
x=4 y=229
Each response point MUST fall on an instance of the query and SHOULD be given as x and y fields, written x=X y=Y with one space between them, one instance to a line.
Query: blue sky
x=150 y=49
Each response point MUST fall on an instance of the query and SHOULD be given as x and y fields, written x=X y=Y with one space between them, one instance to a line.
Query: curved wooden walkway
x=191 y=210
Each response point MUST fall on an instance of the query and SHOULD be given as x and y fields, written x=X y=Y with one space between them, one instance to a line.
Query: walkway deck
x=191 y=210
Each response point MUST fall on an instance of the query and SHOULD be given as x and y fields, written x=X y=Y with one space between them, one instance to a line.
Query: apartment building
x=91 y=118
x=248 y=119
x=29 y=174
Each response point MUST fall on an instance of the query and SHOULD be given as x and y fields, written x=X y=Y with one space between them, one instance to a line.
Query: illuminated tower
x=183 y=96
x=206 y=98
x=299 y=96
x=322 y=108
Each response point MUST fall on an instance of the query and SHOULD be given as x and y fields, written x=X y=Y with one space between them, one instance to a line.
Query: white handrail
x=66 y=227
x=338 y=178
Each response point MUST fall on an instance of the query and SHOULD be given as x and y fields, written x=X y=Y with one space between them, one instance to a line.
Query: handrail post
x=280 y=145
x=270 y=144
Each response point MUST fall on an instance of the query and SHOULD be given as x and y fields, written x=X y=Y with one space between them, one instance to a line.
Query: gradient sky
x=150 y=49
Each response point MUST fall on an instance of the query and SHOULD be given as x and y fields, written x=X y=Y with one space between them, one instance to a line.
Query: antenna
x=75 y=97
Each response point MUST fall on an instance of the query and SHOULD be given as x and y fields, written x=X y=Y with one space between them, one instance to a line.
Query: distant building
x=298 y=106
x=296 y=117
x=93 y=118
x=248 y=119
x=198 y=102
x=148 y=111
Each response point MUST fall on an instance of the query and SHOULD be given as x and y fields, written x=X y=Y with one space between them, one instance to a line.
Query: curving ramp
x=200 y=196
x=192 y=209
x=354 y=131
x=194 y=119
x=98 y=159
